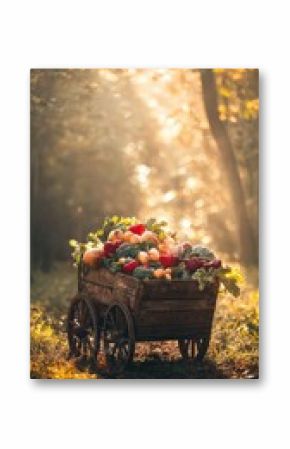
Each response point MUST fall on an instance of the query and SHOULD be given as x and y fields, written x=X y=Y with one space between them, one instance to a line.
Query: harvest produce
x=149 y=251
x=92 y=256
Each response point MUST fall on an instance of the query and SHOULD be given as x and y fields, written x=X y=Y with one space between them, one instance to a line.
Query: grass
x=233 y=351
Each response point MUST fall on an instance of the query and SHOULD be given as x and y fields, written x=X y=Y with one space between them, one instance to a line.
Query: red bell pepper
x=130 y=266
x=137 y=229
x=167 y=260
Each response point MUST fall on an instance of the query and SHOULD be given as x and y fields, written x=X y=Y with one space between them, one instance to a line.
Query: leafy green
x=157 y=227
x=201 y=251
x=115 y=267
x=228 y=277
x=204 y=276
x=143 y=273
x=114 y=222
x=127 y=250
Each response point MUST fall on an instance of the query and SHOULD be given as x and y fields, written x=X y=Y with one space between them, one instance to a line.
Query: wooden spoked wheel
x=119 y=337
x=83 y=330
x=193 y=349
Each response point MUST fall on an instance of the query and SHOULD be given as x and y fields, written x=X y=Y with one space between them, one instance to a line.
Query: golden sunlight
x=191 y=183
x=142 y=172
x=169 y=196
x=185 y=224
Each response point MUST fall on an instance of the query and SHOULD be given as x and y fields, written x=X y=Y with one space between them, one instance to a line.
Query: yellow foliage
x=235 y=336
x=223 y=112
x=237 y=98
x=251 y=109
x=236 y=274
x=49 y=351
x=224 y=92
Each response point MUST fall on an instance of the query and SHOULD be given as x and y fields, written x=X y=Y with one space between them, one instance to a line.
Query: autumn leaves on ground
x=233 y=351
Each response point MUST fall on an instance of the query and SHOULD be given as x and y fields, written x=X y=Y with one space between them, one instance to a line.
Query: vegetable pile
x=149 y=251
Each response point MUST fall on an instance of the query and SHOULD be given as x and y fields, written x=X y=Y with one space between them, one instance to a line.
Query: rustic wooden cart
x=120 y=310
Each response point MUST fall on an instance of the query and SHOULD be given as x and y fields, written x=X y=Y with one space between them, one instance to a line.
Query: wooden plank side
x=127 y=290
x=156 y=290
x=181 y=318
x=178 y=304
x=162 y=324
x=107 y=287
x=123 y=280
x=101 y=276
x=103 y=295
x=153 y=295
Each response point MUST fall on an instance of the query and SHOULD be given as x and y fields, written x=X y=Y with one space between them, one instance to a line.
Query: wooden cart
x=120 y=310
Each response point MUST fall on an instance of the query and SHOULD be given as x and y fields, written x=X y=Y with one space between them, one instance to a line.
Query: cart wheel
x=119 y=337
x=193 y=349
x=83 y=330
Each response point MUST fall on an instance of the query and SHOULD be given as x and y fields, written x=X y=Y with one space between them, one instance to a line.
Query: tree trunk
x=248 y=253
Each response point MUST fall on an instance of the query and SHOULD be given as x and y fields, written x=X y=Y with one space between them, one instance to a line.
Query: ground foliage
x=233 y=351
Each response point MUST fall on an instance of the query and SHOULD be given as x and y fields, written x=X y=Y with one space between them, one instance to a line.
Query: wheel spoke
x=113 y=320
x=119 y=328
x=196 y=348
x=87 y=319
x=126 y=349
x=119 y=354
x=83 y=333
x=200 y=344
x=80 y=311
x=90 y=342
x=112 y=349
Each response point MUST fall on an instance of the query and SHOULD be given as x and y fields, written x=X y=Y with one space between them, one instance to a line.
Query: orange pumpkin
x=92 y=256
x=127 y=235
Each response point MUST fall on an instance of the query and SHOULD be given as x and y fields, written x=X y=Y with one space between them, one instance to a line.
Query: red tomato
x=137 y=228
x=130 y=266
x=167 y=260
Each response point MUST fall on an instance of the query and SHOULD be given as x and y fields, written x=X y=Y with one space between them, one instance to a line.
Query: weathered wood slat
x=108 y=287
x=156 y=290
x=178 y=304
x=127 y=290
x=123 y=281
x=104 y=295
x=168 y=318
x=100 y=277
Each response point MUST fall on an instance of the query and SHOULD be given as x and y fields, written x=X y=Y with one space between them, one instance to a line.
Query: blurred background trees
x=142 y=142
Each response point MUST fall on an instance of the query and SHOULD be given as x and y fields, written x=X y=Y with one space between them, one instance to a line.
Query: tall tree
x=248 y=253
